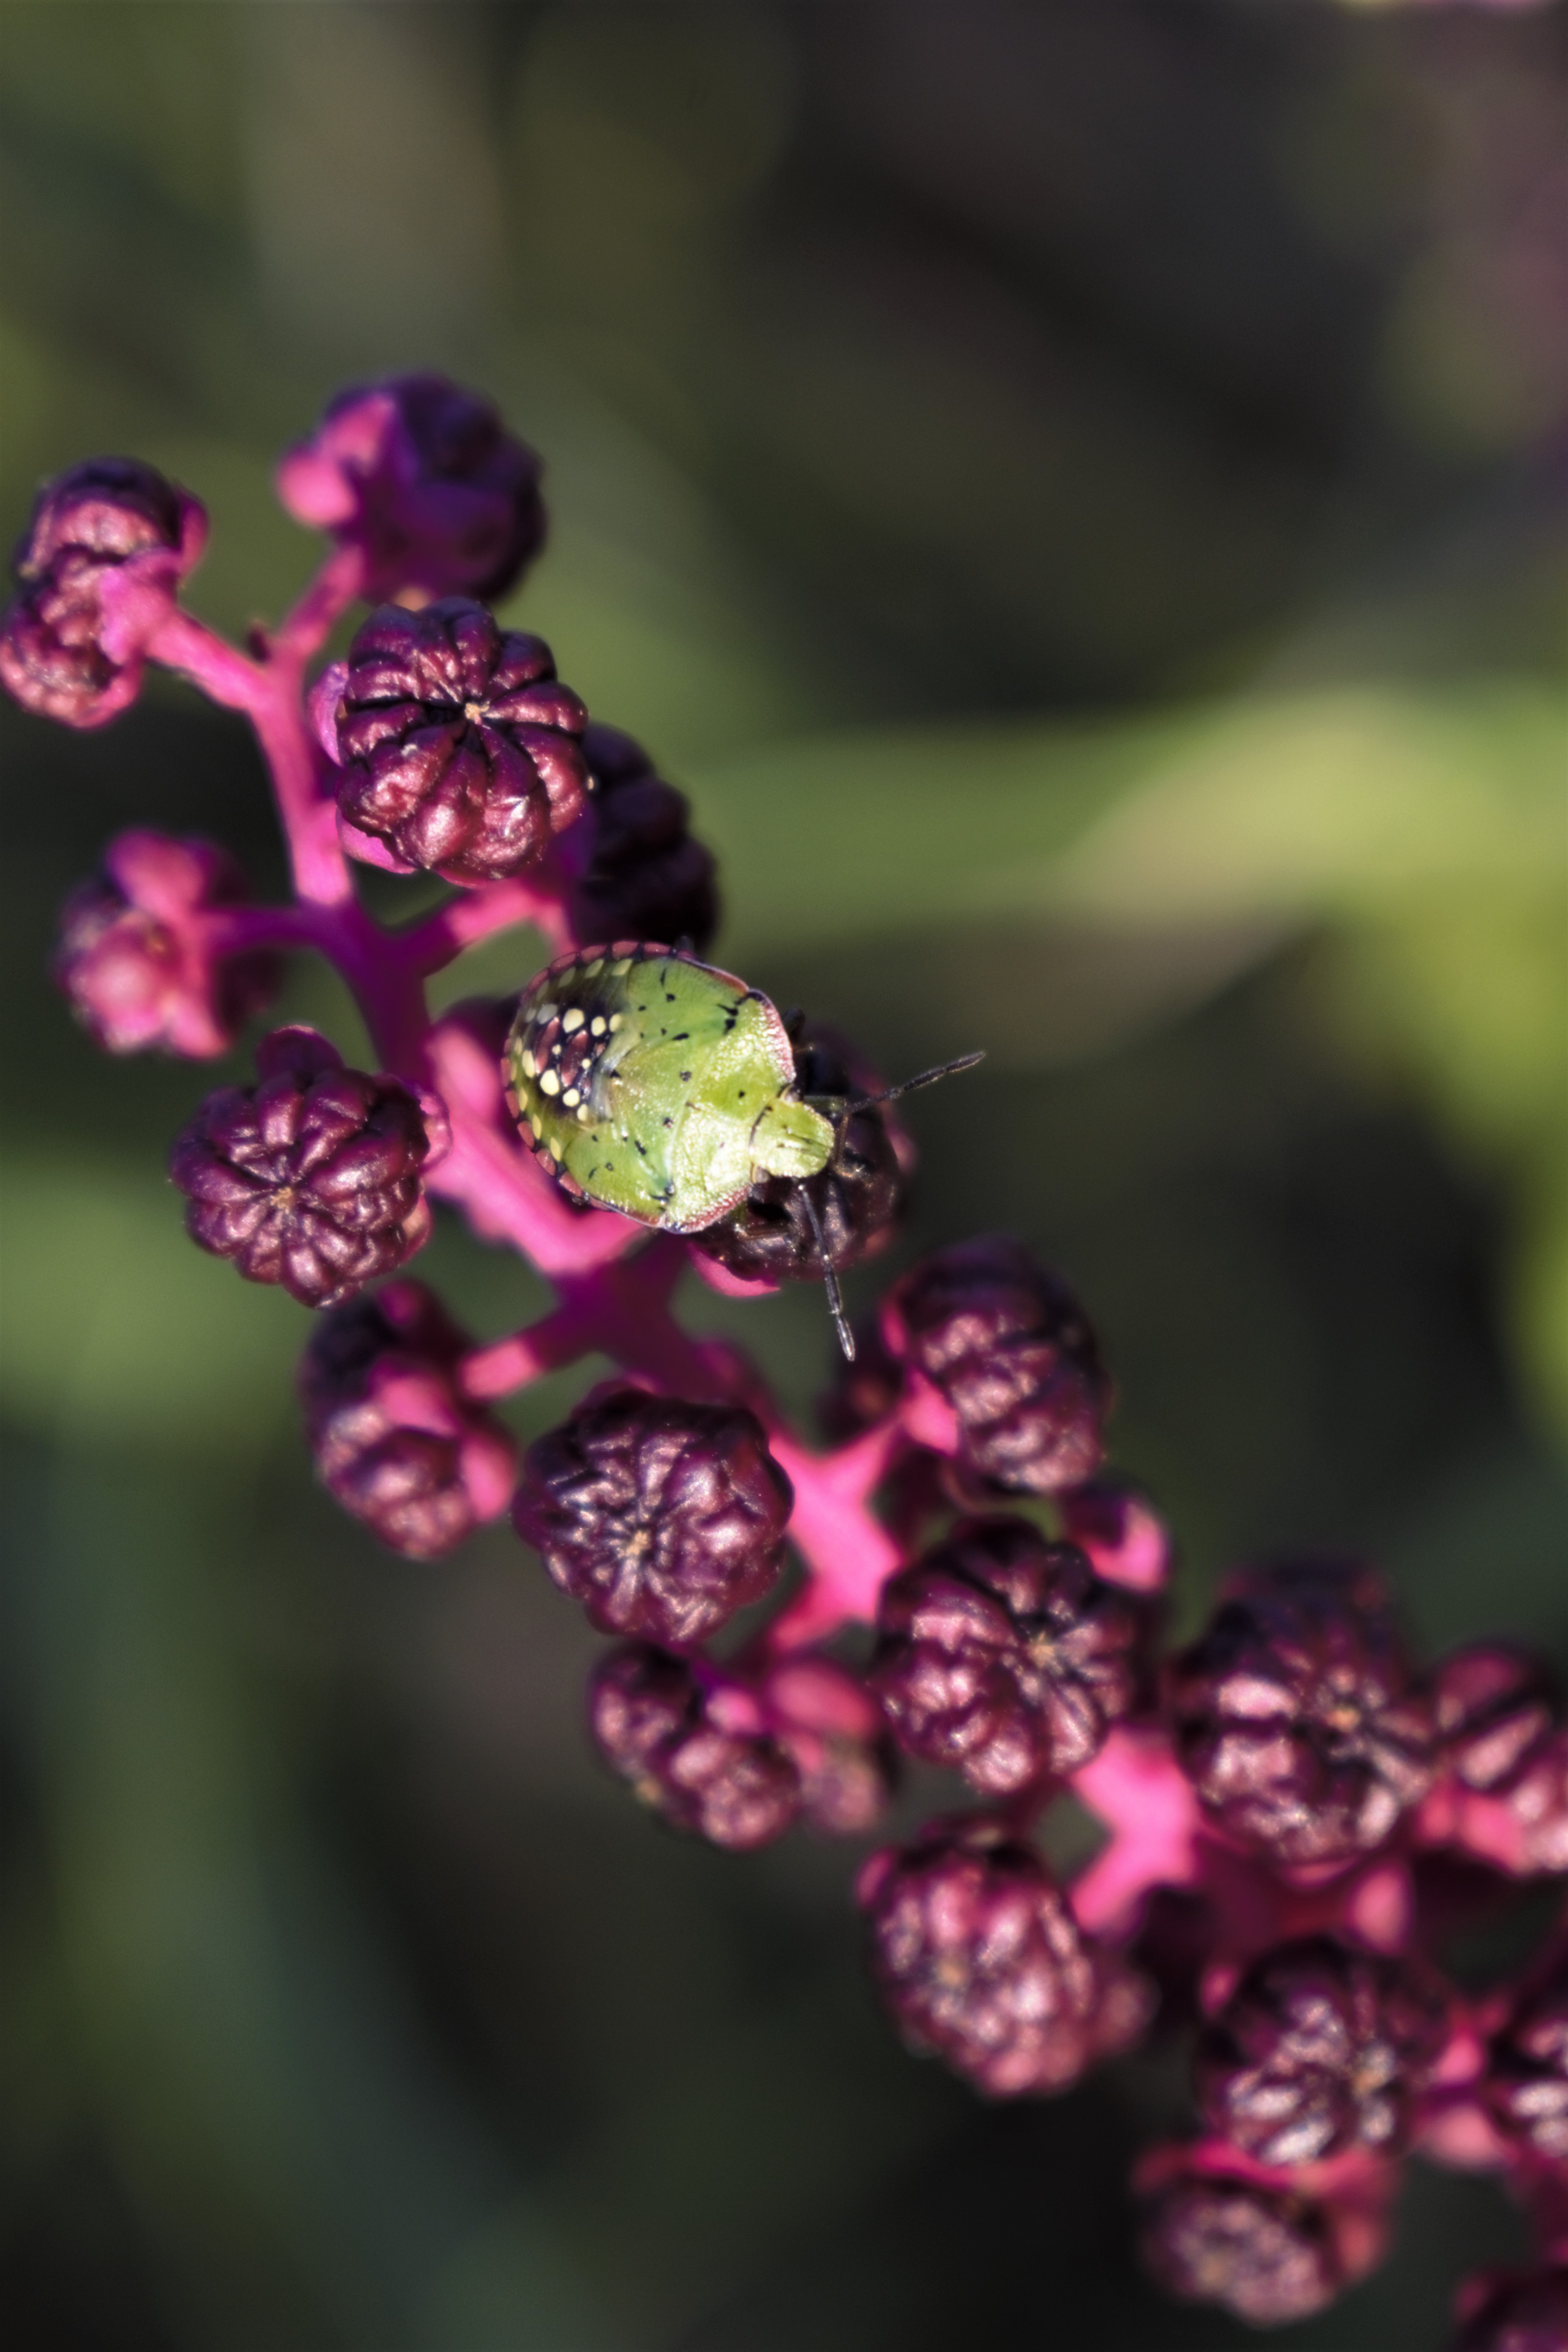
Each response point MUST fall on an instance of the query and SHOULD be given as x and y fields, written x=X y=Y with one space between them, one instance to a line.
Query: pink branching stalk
x=1284 y=1803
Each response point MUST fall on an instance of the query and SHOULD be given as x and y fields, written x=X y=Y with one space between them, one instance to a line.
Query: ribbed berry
x=980 y=1960
x=100 y=567
x=1295 y=1717
x=834 y=1733
x=859 y=1198
x=661 y=1517
x=134 y=957
x=458 y=746
x=1262 y=2253
x=1527 y=2080
x=395 y=1441
x=1537 y=1797
x=698 y=1757
x=311 y=1178
x=1518 y=2312
x=1492 y=1705
x=1004 y=1656
x=1009 y=1351
x=641 y=875
x=424 y=480
x=1320 y=2049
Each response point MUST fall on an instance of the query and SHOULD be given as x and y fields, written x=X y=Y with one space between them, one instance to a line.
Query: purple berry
x=134 y=959
x=859 y=1198
x=396 y=1443
x=100 y=567
x=701 y=1759
x=1319 y=2049
x=1009 y=1351
x=1263 y=2253
x=311 y=1178
x=1538 y=1799
x=1004 y=1656
x=458 y=746
x=1295 y=1716
x=642 y=875
x=424 y=478
x=980 y=1960
x=1493 y=1705
x=662 y=1518
x=1516 y=2312
x=1527 y=2082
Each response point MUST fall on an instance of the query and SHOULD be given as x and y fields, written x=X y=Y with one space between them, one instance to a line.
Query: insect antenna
x=829 y=1279
x=921 y=1079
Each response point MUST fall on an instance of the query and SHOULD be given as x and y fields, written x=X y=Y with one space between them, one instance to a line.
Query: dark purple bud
x=859 y=1198
x=1265 y=2255
x=1493 y=1705
x=100 y=567
x=1538 y=1799
x=134 y=957
x=459 y=745
x=311 y=1178
x=981 y=1961
x=642 y=876
x=1004 y=1656
x=424 y=478
x=1527 y=2082
x=1320 y=2049
x=1296 y=1718
x=661 y=1517
x=700 y=1758
x=1515 y=2312
x=834 y=1731
x=396 y=1443
x=1009 y=1352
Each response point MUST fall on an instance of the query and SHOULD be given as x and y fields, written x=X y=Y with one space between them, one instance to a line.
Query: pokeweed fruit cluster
x=1291 y=1809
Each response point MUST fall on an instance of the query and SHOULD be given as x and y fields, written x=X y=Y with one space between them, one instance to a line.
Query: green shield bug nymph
x=663 y=1087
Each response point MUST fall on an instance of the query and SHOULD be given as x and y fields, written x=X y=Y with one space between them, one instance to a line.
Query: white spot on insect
x=550 y=1083
x=596 y=1027
x=622 y=963
x=615 y=1021
x=544 y=1013
x=537 y=1124
x=592 y=971
x=585 y=1113
x=572 y=1021
x=571 y=1098
x=530 y=1065
x=555 y=1151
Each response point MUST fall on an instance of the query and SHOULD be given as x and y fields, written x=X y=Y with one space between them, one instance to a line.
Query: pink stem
x=476 y=914
x=556 y=1339
x=335 y=587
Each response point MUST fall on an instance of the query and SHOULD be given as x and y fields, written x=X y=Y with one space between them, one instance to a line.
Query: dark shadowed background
x=1073 y=490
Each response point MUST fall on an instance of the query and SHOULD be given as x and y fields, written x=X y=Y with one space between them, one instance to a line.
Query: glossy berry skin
x=1494 y=1705
x=859 y=1198
x=424 y=479
x=458 y=744
x=98 y=570
x=1004 y=1656
x=1516 y=2312
x=639 y=873
x=979 y=1959
x=1261 y=2252
x=1320 y=2048
x=834 y=1731
x=1296 y=1716
x=661 y=1517
x=395 y=1441
x=658 y=1085
x=1010 y=1353
x=1527 y=2081
x=311 y=1177
x=134 y=956
x=655 y=1724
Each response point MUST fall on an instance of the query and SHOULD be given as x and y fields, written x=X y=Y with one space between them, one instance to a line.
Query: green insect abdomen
x=658 y=1085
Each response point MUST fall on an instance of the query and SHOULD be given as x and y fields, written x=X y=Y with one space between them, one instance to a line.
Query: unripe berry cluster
x=958 y=1580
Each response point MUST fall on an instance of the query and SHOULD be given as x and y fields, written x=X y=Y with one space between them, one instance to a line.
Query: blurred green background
x=1074 y=494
